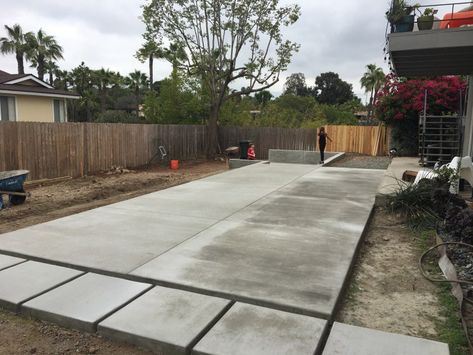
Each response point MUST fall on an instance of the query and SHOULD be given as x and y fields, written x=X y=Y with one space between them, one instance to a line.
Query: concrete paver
x=8 y=261
x=85 y=301
x=253 y=330
x=24 y=281
x=347 y=339
x=164 y=320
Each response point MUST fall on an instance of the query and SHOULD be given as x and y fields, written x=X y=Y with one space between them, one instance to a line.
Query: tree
x=15 y=43
x=42 y=48
x=263 y=97
x=150 y=51
x=51 y=68
x=104 y=79
x=330 y=89
x=225 y=41
x=296 y=85
x=372 y=80
x=137 y=82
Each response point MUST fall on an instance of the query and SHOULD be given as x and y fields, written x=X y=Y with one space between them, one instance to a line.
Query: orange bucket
x=174 y=164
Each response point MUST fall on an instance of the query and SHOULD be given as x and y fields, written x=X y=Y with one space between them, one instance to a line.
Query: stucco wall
x=34 y=109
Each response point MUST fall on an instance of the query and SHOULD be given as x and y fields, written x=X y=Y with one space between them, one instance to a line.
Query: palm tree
x=371 y=81
x=43 y=48
x=104 y=79
x=51 y=68
x=15 y=42
x=175 y=54
x=137 y=81
x=150 y=51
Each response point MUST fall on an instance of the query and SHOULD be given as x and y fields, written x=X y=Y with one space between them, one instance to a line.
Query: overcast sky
x=341 y=36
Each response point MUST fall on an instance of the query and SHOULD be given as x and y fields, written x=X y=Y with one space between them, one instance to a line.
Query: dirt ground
x=387 y=291
x=23 y=336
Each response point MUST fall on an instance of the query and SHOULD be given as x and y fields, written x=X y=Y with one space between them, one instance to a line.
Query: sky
x=342 y=36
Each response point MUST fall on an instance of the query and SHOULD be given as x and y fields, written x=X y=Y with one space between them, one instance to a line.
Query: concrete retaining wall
x=239 y=163
x=298 y=156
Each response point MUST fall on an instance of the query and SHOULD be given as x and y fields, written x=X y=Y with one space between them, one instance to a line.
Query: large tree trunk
x=103 y=97
x=19 y=59
x=151 y=71
x=370 y=106
x=212 y=132
x=51 y=77
x=41 y=67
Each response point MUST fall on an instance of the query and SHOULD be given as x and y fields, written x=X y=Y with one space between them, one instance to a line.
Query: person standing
x=251 y=152
x=322 y=143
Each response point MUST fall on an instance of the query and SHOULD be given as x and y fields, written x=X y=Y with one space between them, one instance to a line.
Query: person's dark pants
x=322 y=150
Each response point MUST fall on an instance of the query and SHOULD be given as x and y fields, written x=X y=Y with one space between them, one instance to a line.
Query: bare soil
x=23 y=336
x=387 y=291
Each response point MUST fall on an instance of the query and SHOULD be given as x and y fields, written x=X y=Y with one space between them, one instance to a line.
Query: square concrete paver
x=24 y=281
x=252 y=330
x=350 y=340
x=164 y=320
x=85 y=301
x=7 y=261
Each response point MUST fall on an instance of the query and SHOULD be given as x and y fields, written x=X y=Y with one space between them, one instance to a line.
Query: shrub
x=118 y=116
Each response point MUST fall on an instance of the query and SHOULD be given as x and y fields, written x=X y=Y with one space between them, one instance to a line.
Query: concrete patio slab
x=108 y=239
x=30 y=279
x=85 y=301
x=247 y=329
x=8 y=261
x=164 y=320
x=347 y=339
x=278 y=235
x=284 y=251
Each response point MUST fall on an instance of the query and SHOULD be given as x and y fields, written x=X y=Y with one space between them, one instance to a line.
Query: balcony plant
x=426 y=20
x=401 y=16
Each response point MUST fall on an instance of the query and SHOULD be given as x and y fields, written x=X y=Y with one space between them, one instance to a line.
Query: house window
x=59 y=111
x=7 y=108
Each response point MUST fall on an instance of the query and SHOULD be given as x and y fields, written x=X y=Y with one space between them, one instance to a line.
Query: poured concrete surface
x=24 y=281
x=247 y=329
x=347 y=339
x=85 y=301
x=164 y=320
x=291 y=250
x=110 y=239
x=8 y=261
x=279 y=235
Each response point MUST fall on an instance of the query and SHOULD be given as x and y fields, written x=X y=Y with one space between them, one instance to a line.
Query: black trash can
x=244 y=145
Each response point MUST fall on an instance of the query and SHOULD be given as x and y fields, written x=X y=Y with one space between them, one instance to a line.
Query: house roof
x=4 y=76
x=12 y=84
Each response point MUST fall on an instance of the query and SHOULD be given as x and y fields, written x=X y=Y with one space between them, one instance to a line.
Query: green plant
x=399 y=9
x=429 y=11
x=414 y=203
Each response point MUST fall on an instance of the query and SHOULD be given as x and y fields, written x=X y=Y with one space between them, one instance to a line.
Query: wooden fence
x=52 y=150
x=370 y=140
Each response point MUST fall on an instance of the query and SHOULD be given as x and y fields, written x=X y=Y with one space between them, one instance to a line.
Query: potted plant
x=426 y=20
x=400 y=16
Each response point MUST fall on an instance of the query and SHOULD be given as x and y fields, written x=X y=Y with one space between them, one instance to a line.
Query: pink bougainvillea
x=400 y=99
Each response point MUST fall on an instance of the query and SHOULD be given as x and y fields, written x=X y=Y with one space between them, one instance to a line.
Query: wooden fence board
x=369 y=140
